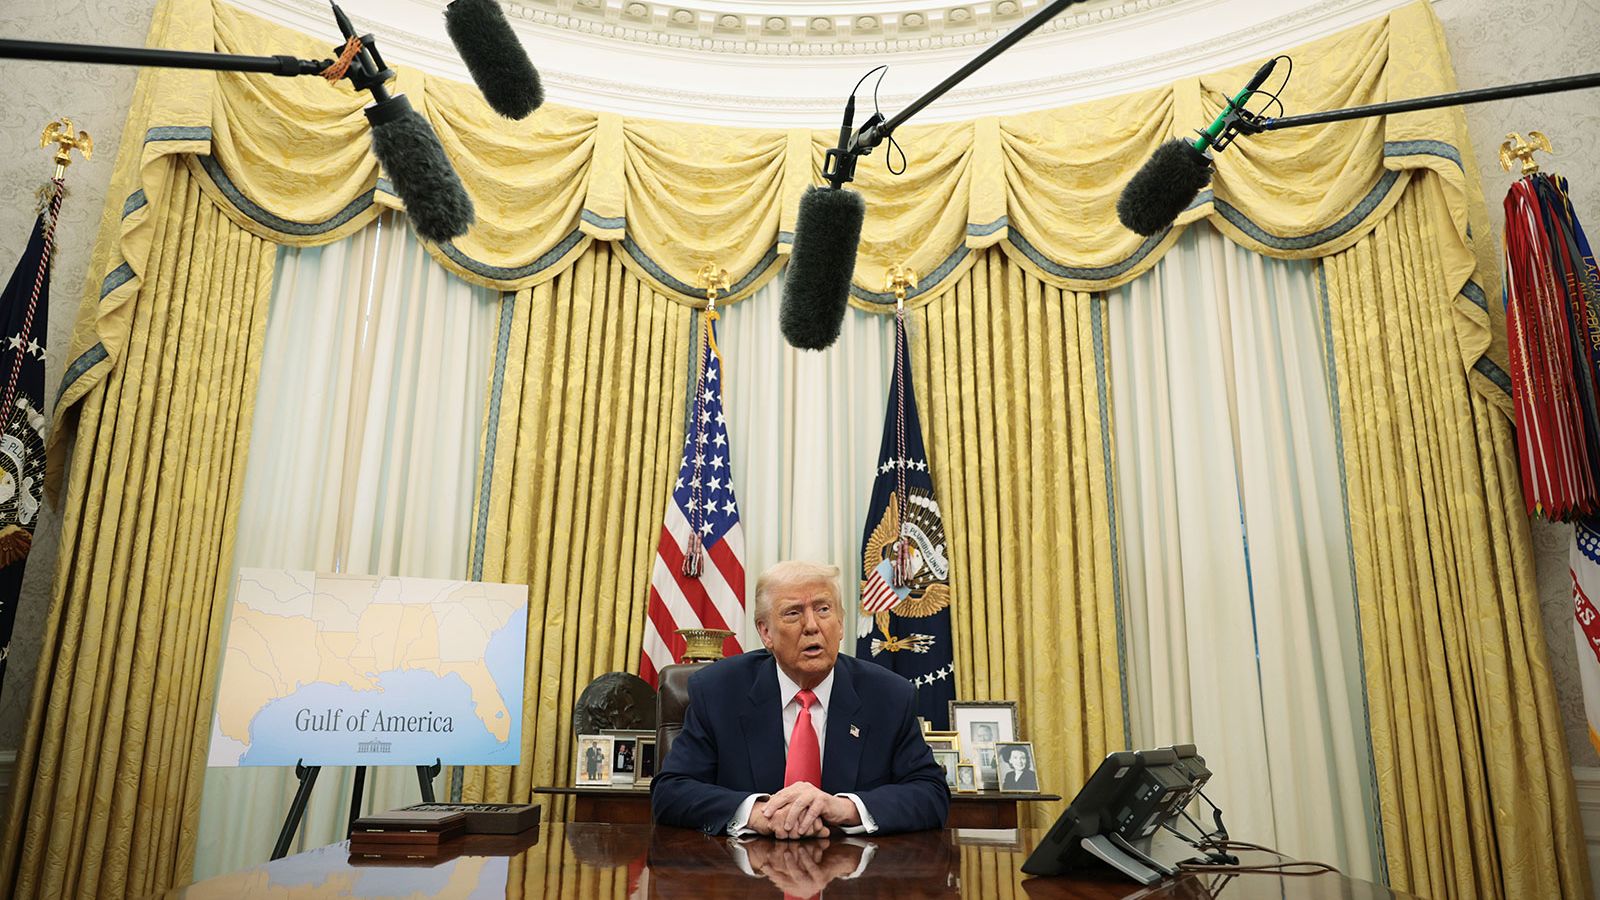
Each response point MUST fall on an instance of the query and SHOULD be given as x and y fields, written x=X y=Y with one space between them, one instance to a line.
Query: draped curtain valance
x=289 y=160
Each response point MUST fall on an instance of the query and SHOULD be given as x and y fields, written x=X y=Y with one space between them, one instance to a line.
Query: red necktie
x=805 y=754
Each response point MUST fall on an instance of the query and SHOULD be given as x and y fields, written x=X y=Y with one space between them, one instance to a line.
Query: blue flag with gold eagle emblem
x=23 y=311
x=905 y=568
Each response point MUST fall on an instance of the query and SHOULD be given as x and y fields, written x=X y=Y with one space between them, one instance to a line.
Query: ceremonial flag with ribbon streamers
x=905 y=572
x=1585 y=569
x=698 y=581
x=1552 y=299
x=23 y=312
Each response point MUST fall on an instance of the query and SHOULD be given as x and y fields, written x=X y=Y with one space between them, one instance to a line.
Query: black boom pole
x=1457 y=98
x=170 y=59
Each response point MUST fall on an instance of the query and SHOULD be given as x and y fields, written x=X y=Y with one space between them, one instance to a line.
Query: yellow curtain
x=287 y=159
x=1475 y=788
x=1018 y=428
x=110 y=769
x=583 y=429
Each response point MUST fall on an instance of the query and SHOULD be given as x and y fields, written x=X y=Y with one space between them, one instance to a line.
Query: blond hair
x=792 y=573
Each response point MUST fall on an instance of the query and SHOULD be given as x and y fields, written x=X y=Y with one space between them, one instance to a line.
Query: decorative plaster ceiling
x=791 y=62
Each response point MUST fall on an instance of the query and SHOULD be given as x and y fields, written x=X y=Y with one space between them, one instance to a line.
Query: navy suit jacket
x=732 y=746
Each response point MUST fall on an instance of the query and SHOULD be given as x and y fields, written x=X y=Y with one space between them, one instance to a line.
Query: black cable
x=885 y=70
x=877 y=113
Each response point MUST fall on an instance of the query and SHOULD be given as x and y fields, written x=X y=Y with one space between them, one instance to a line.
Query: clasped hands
x=802 y=810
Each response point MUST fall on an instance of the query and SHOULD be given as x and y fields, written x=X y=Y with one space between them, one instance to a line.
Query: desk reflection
x=685 y=863
x=589 y=861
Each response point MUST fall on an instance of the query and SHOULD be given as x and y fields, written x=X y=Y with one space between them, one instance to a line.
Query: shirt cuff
x=868 y=824
x=739 y=825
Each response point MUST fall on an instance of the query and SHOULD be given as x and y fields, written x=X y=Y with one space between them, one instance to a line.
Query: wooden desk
x=588 y=860
x=631 y=806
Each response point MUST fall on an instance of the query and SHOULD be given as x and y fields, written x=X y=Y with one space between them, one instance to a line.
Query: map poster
x=350 y=670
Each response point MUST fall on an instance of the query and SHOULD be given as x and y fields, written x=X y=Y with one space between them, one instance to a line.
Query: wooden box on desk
x=407 y=827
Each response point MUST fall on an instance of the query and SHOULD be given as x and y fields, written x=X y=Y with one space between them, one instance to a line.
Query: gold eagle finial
x=899 y=278
x=713 y=280
x=1515 y=148
x=67 y=139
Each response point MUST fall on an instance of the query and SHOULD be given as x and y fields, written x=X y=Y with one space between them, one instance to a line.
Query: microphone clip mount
x=368 y=71
x=1236 y=121
x=839 y=166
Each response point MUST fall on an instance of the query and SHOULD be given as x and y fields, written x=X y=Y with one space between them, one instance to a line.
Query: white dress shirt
x=787 y=689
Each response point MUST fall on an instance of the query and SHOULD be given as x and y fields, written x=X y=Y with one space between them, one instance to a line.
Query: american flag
x=702 y=503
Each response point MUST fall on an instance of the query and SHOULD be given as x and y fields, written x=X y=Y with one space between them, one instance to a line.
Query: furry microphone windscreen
x=816 y=284
x=1164 y=187
x=404 y=142
x=494 y=56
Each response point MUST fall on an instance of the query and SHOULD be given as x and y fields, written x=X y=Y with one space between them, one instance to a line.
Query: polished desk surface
x=633 y=790
x=630 y=805
x=584 y=860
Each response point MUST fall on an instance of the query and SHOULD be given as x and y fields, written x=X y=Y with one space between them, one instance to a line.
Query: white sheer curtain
x=1242 y=630
x=805 y=428
x=362 y=457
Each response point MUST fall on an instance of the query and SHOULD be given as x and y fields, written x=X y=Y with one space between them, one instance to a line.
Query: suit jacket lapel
x=841 y=758
x=762 y=721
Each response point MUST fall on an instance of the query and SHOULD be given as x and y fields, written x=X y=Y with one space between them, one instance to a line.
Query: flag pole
x=66 y=139
x=900 y=278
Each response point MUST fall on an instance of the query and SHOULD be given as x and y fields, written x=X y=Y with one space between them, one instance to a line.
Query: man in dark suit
x=794 y=739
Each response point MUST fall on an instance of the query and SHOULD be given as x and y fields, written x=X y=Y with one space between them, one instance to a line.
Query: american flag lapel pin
x=854 y=731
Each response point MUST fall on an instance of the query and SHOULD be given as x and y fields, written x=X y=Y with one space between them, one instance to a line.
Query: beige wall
x=1492 y=43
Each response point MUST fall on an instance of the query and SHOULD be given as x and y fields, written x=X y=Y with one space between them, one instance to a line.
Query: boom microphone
x=404 y=142
x=436 y=203
x=496 y=59
x=816 y=285
x=1174 y=175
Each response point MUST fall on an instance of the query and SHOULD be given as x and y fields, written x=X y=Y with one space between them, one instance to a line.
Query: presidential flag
x=698 y=581
x=23 y=309
x=1584 y=568
x=905 y=572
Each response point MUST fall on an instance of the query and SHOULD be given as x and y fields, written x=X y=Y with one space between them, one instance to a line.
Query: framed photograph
x=1017 y=770
x=924 y=725
x=966 y=779
x=981 y=725
x=594 y=760
x=942 y=740
x=647 y=760
x=624 y=757
x=948 y=760
x=625 y=754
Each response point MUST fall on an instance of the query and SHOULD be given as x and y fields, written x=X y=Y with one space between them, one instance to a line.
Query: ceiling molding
x=685 y=78
x=792 y=28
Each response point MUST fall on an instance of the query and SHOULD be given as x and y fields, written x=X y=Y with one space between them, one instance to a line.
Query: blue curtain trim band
x=178 y=133
x=1424 y=148
x=91 y=357
x=933 y=281
x=267 y=220
x=991 y=228
x=116 y=278
x=1491 y=370
x=551 y=257
x=491 y=432
x=1349 y=539
x=600 y=221
x=1097 y=330
x=682 y=287
x=135 y=202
